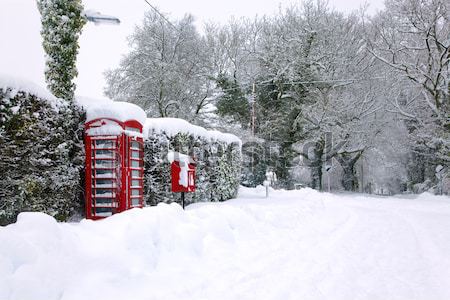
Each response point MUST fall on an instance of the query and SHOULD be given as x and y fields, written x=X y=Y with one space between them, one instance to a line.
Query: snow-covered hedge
x=40 y=152
x=42 y=161
x=217 y=155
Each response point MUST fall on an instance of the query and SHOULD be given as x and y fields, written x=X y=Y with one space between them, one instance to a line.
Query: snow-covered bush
x=217 y=155
x=40 y=153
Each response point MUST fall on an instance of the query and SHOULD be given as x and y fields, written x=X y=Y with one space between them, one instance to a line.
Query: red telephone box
x=114 y=167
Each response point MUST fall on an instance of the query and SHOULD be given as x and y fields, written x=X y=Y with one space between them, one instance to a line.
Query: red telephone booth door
x=102 y=176
x=135 y=172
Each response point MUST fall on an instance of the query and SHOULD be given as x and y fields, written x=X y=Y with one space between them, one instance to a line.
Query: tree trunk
x=316 y=163
x=347 y=161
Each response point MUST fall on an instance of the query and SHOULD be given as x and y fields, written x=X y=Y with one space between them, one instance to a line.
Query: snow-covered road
x=294 y=245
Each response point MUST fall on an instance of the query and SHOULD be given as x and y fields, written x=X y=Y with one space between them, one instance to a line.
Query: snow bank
x=293 y=245
x=121 y=111
x=173 y=126
x=20 y=84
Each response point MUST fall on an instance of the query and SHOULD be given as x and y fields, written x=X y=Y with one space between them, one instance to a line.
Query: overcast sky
x=101 y=47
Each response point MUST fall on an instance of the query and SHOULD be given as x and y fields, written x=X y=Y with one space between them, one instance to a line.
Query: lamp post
x=98 y=18
x=328 y=168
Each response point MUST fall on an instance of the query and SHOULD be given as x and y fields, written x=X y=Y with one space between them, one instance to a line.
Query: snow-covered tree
x=312 y=85
x=165 y=72
x=329 y=88
x=412 y=39
x=233 y=102
x=62 y=22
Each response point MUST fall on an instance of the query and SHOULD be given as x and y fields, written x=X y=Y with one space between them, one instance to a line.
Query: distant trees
x=412 y=39
x=314 y=82
x=62 y=22
x=330 y=88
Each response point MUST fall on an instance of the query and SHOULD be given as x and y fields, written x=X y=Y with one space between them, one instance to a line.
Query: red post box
x=182 y=180
x=182 y=171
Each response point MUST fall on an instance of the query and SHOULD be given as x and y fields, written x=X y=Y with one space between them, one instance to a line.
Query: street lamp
x=98 y=18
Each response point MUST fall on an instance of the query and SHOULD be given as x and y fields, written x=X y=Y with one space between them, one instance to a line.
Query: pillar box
x=114 y=166
x=182 y=170
x=177 y=173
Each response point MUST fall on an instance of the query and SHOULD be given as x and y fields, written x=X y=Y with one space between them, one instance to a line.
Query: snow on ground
x=294 y=245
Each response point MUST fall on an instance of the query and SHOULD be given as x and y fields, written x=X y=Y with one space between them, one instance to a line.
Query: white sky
x=101 y=47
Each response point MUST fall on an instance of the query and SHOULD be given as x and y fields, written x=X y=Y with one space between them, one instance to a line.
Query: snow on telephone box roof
x=120 y=111
x=97 y=109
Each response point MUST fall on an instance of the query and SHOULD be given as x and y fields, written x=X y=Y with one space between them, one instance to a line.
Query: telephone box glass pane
x=135 y=154
x=103 y=201
x=104 y=173
x=135 y=192
x=135 y=182
x=136 y=145
x=104 y=192
x=135 y=202
x=136 y=173
x=135 y=164
x=99 y=163
x=103 y=211
x=103 y=153
x=104 y=183
x=104 y=144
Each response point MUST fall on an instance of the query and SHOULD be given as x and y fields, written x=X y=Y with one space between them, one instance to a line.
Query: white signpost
x=440 y=170
x=271 y=178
